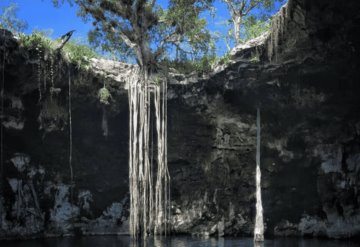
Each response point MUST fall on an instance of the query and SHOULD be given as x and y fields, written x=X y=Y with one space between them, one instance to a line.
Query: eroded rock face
x=307 y=174
x=306 y=84
x=37 y=196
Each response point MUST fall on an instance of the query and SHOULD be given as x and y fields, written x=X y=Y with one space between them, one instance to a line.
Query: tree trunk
x=237 y=24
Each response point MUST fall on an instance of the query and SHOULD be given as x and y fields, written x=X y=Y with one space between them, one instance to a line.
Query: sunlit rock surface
x=304 y=75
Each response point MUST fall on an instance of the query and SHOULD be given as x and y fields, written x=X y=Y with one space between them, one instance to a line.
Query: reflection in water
x=157 y=241
x=179 y=241
x=221 y=242
x=258 y=244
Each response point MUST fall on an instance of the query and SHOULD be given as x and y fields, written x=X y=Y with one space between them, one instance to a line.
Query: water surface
x=178 y=241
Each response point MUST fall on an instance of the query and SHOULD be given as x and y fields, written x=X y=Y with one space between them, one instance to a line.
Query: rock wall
x=37 y=196
x=310 y=126
x=306 y=84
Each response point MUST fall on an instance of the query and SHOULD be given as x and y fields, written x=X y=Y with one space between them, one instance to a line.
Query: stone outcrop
x=305 y=81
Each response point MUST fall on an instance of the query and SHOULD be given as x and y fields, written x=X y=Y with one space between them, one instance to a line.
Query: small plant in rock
x=254 y=28
x=52 y=116
x=37 y=40
x=73 y=52
x=79 y=54
x=203 y=65
x=255 y=58
x=156 y=79
x=224 y=60
x=104 y=95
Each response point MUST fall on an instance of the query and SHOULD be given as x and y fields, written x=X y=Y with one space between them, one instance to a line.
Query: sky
x=42 y=15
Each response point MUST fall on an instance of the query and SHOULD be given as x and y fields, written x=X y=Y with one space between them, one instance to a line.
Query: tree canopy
x=144 y=29
x=249 y=16
x=9 y=20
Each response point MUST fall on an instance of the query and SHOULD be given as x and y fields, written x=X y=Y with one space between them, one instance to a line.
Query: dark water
x=120 y=241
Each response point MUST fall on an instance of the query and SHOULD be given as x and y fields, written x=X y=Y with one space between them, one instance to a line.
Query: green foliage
x=79 y=54
x=37 y=40
x=104 y=96
x=184 y=29
x=199 y=66
x=144 y=31
x=254 y=28
x=9 y=20
x=249 y=18
x=224 y=59
x=110 y=43
x=204 y=65
x=74 y=52
x=58 y=3
x=255 y=58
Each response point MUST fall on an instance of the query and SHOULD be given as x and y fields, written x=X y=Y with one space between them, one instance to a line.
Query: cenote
x=150 y=122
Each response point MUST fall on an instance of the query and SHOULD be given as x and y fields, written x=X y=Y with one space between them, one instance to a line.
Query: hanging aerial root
x=149 y=214
x=259 y=220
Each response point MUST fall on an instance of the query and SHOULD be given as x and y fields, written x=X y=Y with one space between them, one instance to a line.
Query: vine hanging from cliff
x=39 y=57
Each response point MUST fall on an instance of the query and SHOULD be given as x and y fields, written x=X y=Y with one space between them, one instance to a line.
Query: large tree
x=144 y=30
x=240 y=9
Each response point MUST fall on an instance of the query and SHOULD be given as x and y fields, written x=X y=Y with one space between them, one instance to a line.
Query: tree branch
x=252 y=6
x=125 y=38
x=231 y=7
